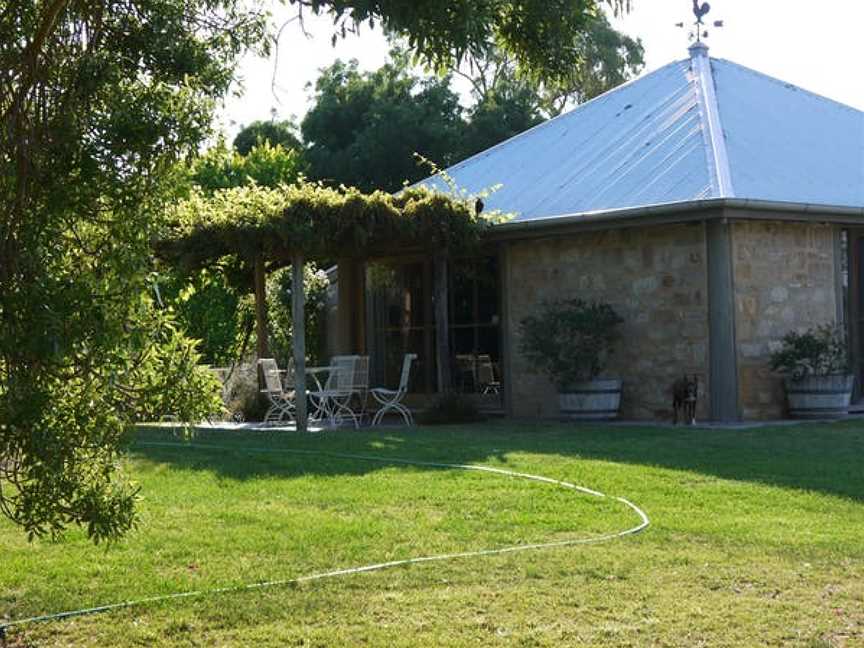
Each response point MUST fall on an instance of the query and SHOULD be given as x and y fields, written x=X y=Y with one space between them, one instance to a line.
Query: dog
x=685 y=392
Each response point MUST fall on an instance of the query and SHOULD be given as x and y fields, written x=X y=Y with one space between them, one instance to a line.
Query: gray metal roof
x=693 y=130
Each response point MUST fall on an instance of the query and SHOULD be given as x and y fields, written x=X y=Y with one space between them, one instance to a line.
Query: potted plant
x=571 y=340
x=816 y=363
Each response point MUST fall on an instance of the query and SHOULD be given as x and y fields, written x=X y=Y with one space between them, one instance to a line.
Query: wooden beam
x=298 y=325
x=442 y=333
x=263 y=346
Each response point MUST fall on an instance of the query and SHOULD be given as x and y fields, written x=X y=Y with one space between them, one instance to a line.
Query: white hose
x=643 y=524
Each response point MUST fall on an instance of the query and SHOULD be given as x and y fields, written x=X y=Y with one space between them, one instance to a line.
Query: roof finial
x=699 y=32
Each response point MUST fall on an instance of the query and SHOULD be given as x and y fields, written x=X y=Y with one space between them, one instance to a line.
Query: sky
x=815 y=44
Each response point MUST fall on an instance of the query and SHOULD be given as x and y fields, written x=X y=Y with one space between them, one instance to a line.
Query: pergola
x=266 y=229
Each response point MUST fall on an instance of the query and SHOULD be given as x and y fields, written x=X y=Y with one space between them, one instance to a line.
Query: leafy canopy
x=272 y=132
x=317 y=222
x=364 y=128
x=536 y=34
x=264 y=164
x=97 y=102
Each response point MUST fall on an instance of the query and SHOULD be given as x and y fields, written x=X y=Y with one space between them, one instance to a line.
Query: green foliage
x=570 y=340
x=167 y=378
x=282 y=133
x=74 y=417
x=818 y=351
x=98 y=103
x=265 y=164
x=536 y=34
x=315 y=284
x=364 y=128
x=450 y=408
x=211 y=303
x=210 y=310
x=317 y=222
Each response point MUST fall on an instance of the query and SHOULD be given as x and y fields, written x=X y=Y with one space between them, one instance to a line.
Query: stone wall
x=783 y=278
x=655 y=277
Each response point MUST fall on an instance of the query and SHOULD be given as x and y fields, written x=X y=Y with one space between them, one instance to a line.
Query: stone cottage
x=714 y=207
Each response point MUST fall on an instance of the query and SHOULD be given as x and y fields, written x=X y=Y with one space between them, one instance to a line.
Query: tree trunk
x=298 y=324
x=263 y=347
x=442 y=333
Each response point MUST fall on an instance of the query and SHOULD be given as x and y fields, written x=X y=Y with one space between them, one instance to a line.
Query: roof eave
x=645 y=214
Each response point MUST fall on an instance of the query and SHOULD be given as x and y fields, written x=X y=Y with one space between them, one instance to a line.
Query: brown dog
x=685 y=392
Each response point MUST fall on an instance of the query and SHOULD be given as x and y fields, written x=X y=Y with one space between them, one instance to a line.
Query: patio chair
x=486 y=375
x=281 y=400
x=391 y=400
x=343 y=395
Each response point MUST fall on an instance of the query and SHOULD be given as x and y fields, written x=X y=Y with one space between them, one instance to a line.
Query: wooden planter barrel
x=819 y=396
x=595 y=400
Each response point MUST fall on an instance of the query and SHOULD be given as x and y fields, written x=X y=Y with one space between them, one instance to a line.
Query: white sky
x=817 y=45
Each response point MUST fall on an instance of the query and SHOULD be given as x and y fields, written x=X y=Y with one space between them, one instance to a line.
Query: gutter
x=783 y=210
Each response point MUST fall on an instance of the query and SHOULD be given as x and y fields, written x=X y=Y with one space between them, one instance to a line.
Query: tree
x=365 y=128
x=273 y=132
x=97 y=103
x=264 y=164
x=536 y=34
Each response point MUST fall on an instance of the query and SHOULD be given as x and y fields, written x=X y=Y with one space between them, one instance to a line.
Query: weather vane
x=700 y=11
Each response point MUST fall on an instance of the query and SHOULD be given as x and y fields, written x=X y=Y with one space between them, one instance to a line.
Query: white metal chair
x=347 y=383
x=281 y=400
x=391 y=400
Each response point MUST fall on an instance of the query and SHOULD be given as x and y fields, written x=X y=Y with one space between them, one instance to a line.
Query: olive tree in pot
x=816 y=363
x=571 y=341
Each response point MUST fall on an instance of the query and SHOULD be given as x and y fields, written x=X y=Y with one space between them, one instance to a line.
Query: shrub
x=448 y=408
x=818 y=351
x=571 y=340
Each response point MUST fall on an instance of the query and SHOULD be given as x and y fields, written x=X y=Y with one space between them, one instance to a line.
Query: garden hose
x=643 y=524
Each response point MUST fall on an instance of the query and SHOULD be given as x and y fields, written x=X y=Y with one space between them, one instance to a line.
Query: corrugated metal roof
x=787 y=144
x=655 y=141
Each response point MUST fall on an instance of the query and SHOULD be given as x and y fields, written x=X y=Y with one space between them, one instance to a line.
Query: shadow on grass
x=817 y=457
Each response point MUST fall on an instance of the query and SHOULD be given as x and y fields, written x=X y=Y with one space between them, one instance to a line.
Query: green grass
x=757 y=539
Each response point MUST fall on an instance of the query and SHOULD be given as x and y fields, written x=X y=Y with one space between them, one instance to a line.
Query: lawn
x=756 y=539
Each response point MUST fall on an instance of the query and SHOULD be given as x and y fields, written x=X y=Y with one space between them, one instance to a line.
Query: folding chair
x=391 y=400
x=281 y=401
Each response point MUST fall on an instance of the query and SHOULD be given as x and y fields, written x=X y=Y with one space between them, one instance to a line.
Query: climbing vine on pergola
x=269 y=228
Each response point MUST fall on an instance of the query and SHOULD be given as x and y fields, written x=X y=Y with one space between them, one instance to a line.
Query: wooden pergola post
x=298 y=324
x=263 y=346
x=442 y=333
